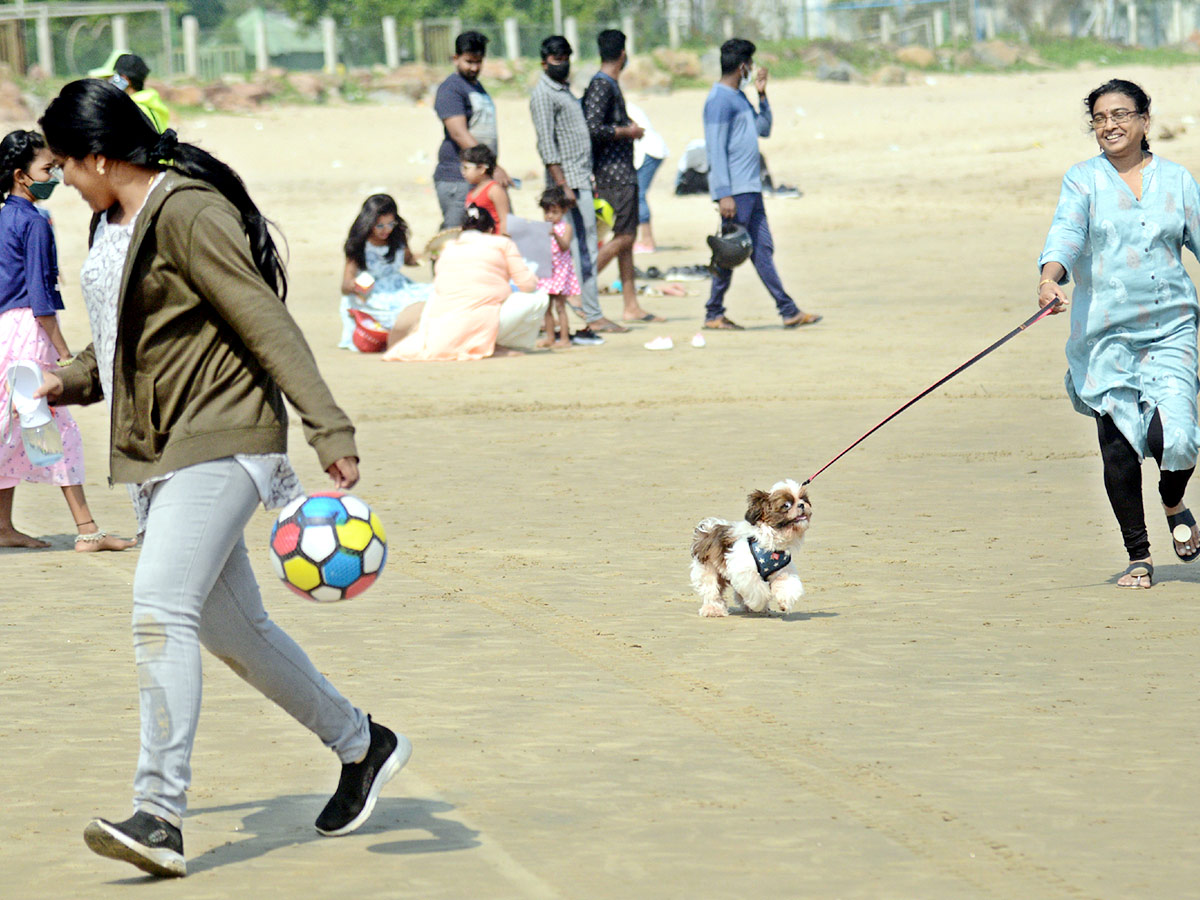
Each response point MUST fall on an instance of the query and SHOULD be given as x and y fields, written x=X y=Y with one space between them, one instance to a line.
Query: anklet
x=94 y=538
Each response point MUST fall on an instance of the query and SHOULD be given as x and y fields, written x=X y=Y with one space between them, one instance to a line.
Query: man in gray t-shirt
x=468 y=118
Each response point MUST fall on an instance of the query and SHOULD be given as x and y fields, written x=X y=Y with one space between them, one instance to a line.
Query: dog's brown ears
x=756 y=506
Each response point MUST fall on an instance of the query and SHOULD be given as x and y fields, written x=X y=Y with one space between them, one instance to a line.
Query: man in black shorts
x=613 y=134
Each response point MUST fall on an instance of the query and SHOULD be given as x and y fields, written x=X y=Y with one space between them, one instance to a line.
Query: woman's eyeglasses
x=1118 y=116
x=384 y=226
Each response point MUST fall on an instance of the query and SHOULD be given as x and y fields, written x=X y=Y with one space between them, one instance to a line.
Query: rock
x=889 y=75
x=12 y=105
x=964 y=59
x=918 y=57
x=997 y=54
x=414 y=80
x=497 y=70
x=306 y=84
x=1167 y=132
x=839 y=70
x=184 y=95
x=643 y=75
x=236 y=97
x=679 y=63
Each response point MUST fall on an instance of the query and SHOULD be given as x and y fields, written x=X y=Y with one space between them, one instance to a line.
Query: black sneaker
x=358 y=788
x=585 y=337
x=150 y=843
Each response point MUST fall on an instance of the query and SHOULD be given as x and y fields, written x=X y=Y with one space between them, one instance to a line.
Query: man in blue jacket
x=732 y=127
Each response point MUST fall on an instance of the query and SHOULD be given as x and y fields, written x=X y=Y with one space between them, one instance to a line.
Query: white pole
x=191 y=40
x=727 y=27
x=1131 y=15
x=262 y=61
x=329 y=42
x=1177 y=21
x=512 y=39
x=673 y=33
x=885 y=29
x=168 y=53
x=570 y=30
x=939 y=29
x=391 y=47
x=627 y=27
x=558 y=20
x=45 y=48
x=120 y=34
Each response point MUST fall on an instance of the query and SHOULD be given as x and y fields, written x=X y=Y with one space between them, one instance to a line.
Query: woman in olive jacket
x=194 y=351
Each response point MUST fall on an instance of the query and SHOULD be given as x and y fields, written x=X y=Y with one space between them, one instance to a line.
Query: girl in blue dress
x=372 y=281
x=1123 y=219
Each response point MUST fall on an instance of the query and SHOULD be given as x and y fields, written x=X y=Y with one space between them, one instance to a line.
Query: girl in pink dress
x=29 y=305
x=562 y=282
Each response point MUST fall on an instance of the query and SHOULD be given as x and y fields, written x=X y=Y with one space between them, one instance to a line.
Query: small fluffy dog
x=753 y=556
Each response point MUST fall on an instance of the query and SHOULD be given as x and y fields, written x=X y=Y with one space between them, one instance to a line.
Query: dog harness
x=767 y=561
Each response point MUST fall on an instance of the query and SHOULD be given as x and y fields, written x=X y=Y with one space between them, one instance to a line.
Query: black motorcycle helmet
x=731 y=247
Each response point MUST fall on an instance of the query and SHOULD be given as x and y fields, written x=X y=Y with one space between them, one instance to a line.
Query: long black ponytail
x=94 y=117
x=17 y=151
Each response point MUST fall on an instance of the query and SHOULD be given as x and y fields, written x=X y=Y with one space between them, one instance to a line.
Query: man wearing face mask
x=732 y=127
x=565 y=146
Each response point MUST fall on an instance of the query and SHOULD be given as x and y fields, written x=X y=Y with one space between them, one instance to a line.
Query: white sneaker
x=660 y=343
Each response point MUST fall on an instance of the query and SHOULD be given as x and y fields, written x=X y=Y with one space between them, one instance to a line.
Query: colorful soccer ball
x=328 y=546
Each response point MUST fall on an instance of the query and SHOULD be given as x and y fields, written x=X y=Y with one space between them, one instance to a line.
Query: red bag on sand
x=369 y=335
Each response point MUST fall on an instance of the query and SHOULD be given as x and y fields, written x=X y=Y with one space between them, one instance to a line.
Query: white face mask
x=747 y=79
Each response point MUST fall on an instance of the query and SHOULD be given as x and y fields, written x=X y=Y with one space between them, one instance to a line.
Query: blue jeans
x=193 y=586
x=645 y=175
x=753 y=215
x=583 y=253
x=452 y=198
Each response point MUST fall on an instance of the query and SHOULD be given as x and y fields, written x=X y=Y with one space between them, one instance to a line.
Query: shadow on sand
x=287 y=821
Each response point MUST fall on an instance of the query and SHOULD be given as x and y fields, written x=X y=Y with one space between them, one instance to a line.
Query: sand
x=966 y=706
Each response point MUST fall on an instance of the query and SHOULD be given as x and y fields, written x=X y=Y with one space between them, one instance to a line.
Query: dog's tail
x=708 y=537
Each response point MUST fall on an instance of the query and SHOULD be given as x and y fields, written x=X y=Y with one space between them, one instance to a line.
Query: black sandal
x=1179 y=523
x=1139 y=570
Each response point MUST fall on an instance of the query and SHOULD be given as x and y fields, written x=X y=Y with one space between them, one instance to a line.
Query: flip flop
x=723 y=324
x=609 y=328
x=1140 y=570
x=648 y=317
x=1182 y=523
x=803 y=318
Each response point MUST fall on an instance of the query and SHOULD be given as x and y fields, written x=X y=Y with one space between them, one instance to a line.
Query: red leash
x=1036 y=317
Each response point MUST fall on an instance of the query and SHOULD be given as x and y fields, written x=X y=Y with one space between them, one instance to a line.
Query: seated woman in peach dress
x=463 y=319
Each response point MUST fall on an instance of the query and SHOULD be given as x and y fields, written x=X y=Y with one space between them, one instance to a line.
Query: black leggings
x=1123 y=481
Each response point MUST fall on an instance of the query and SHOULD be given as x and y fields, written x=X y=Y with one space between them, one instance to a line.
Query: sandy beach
x=965 y=706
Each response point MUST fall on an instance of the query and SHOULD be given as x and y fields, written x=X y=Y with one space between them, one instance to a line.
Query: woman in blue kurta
x=1122 y=222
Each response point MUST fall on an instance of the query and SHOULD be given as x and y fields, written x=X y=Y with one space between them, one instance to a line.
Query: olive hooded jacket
x=205 y=350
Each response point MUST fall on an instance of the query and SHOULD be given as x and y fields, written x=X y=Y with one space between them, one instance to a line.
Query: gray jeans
x=194 y=586
x=452 y=197
x=583 y=252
